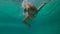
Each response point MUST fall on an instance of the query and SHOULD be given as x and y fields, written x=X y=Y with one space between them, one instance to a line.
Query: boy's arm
x=42 y=5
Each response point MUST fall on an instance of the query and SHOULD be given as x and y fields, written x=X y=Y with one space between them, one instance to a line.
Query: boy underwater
x=31 y=11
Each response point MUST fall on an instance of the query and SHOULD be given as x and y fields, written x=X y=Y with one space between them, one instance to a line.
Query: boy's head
x=27 y=6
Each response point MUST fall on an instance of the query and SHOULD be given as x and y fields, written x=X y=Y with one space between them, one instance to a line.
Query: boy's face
x=27 y=6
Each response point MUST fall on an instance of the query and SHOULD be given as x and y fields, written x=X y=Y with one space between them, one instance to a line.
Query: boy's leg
x=25 y=21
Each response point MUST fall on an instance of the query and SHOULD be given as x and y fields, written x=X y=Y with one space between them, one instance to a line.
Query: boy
x=31 y=11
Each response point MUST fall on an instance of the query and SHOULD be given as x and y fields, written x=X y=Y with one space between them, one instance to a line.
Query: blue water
x=46 y=22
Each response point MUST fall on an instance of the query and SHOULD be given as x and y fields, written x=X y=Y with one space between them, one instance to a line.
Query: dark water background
x=46 y=22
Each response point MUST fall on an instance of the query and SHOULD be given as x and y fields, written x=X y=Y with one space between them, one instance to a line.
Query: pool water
x=46 y=22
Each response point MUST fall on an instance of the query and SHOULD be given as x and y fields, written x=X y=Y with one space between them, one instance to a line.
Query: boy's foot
x=28 y=25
